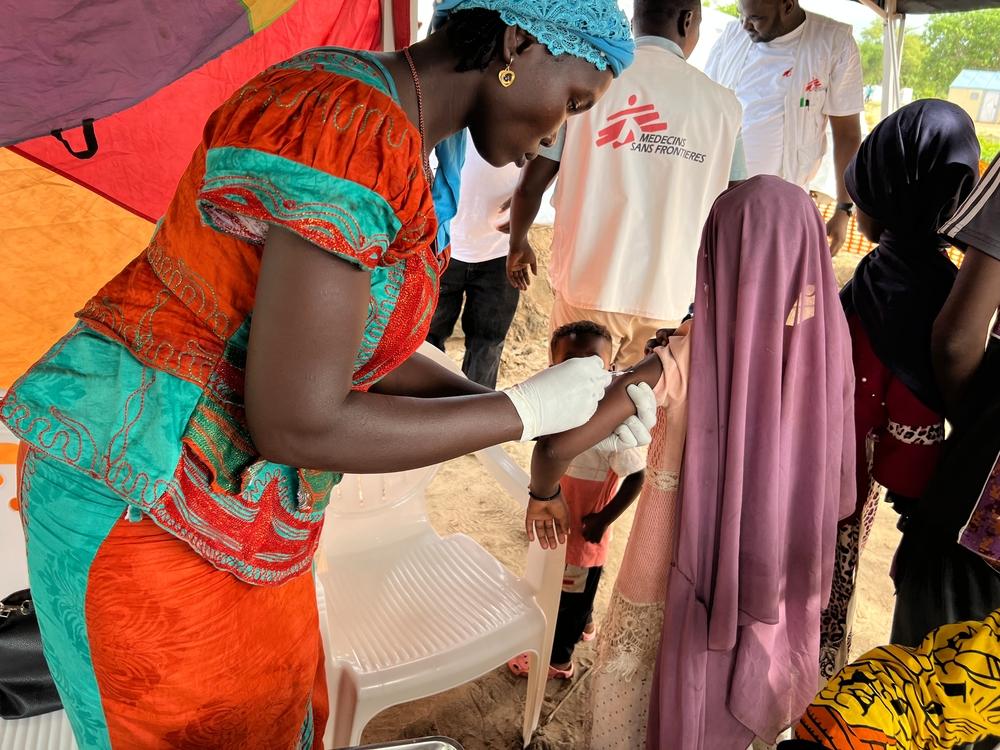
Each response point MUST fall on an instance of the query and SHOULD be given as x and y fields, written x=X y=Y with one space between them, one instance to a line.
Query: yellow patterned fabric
x=943 y=693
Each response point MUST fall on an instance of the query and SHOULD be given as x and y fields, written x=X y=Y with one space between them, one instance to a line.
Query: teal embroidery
x=133 y=414
x=332 y=212
x=339 y=61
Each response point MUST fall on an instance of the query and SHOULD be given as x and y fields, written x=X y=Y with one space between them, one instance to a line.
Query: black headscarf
x=910 y=174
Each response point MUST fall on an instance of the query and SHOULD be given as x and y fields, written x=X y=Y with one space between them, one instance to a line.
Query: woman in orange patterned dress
x=182 y=439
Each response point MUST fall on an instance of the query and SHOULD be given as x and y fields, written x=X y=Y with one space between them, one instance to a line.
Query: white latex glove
x=561 y=397
x=634 y=431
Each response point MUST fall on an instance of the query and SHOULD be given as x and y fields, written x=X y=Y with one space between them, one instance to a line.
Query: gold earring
x=507 y=77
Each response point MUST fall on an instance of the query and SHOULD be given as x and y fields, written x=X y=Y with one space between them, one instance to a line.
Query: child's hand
x=664 y=335
x=549 y=519
x=594 y=527
x=662 y=339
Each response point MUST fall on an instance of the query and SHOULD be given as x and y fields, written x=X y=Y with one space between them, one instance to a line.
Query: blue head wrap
x=594 y=30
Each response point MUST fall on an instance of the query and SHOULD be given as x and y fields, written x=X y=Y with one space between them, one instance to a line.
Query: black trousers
x=575 y=609
x=490 y=304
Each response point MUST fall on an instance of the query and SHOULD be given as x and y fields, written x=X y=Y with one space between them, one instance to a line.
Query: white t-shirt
x=474 y=235
x=789 y=88
x=638 y=175
x=762 y=94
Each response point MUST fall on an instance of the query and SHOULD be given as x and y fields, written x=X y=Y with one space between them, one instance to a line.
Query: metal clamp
x=24 y=609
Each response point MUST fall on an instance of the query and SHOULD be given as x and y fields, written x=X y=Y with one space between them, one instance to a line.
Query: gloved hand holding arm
x=559 y=398
x=629 y=396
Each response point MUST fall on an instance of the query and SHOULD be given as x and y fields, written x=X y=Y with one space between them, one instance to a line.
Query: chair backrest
x=369 y=511
x=504 y=469
x=374 y=510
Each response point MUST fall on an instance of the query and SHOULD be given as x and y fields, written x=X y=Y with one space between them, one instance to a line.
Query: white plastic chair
x=409 y=614
x=48 y=732
x=51 y=731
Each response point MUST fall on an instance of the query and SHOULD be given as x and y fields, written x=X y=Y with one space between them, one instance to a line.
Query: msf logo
x=622 y=125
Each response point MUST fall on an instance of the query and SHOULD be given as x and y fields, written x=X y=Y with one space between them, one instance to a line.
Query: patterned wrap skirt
x=151 y=646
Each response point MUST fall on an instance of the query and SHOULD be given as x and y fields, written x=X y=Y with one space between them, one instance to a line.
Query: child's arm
x=615 y=408
x=553 y=454
x=596 y=524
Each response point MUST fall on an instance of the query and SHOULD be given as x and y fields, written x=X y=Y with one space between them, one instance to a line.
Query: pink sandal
x=518 y=667
x=588 y=637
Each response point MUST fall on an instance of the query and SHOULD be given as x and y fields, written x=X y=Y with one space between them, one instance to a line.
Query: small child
x=598 y=487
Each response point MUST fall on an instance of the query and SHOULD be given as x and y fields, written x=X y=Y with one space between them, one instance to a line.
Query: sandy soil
x=486 y=714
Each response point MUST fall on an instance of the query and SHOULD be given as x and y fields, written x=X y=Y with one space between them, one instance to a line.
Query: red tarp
x=60 y=240
x=143 y=150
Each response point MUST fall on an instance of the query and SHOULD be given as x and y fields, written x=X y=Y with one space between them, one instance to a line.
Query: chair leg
x=359 y=727
x=343 y=712
x=545 y=574
x=534 y=696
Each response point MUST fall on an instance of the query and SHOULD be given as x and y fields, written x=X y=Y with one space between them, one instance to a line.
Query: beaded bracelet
x=533 y=496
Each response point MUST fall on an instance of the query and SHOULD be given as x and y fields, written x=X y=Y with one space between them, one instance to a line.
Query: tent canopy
x=939 y=6
x=67 y=225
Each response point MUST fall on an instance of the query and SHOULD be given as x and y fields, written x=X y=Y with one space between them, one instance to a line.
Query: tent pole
x=388 y=29
x=891 y=58
x=900 y=41
x=875 y=7
x=888 y=41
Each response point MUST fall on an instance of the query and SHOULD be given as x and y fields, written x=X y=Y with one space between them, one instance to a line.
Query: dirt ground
x=486 y=714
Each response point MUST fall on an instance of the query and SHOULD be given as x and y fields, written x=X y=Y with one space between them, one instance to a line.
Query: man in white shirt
x=794 y=72
x=477 y=273
x=638 y=175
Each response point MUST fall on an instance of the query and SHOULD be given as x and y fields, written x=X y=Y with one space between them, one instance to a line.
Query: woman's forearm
x=422 y=377
x=375 y=433
x=956 y=357
x=309 y=316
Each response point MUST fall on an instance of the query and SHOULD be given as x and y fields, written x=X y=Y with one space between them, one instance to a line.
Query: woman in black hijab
x=940 y=578
x=909 y=175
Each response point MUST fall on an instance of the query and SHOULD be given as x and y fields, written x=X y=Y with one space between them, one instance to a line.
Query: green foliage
x=870 y=46
x=956 y=41
x=990 y=145
x=950 y=43
x=914 y=55
x=732 y=9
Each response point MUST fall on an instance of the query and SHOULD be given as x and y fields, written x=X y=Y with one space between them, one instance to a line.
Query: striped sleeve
x=977 y=221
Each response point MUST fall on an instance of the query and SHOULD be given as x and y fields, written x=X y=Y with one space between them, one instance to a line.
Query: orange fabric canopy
x=60 y=244
x=68 y=225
